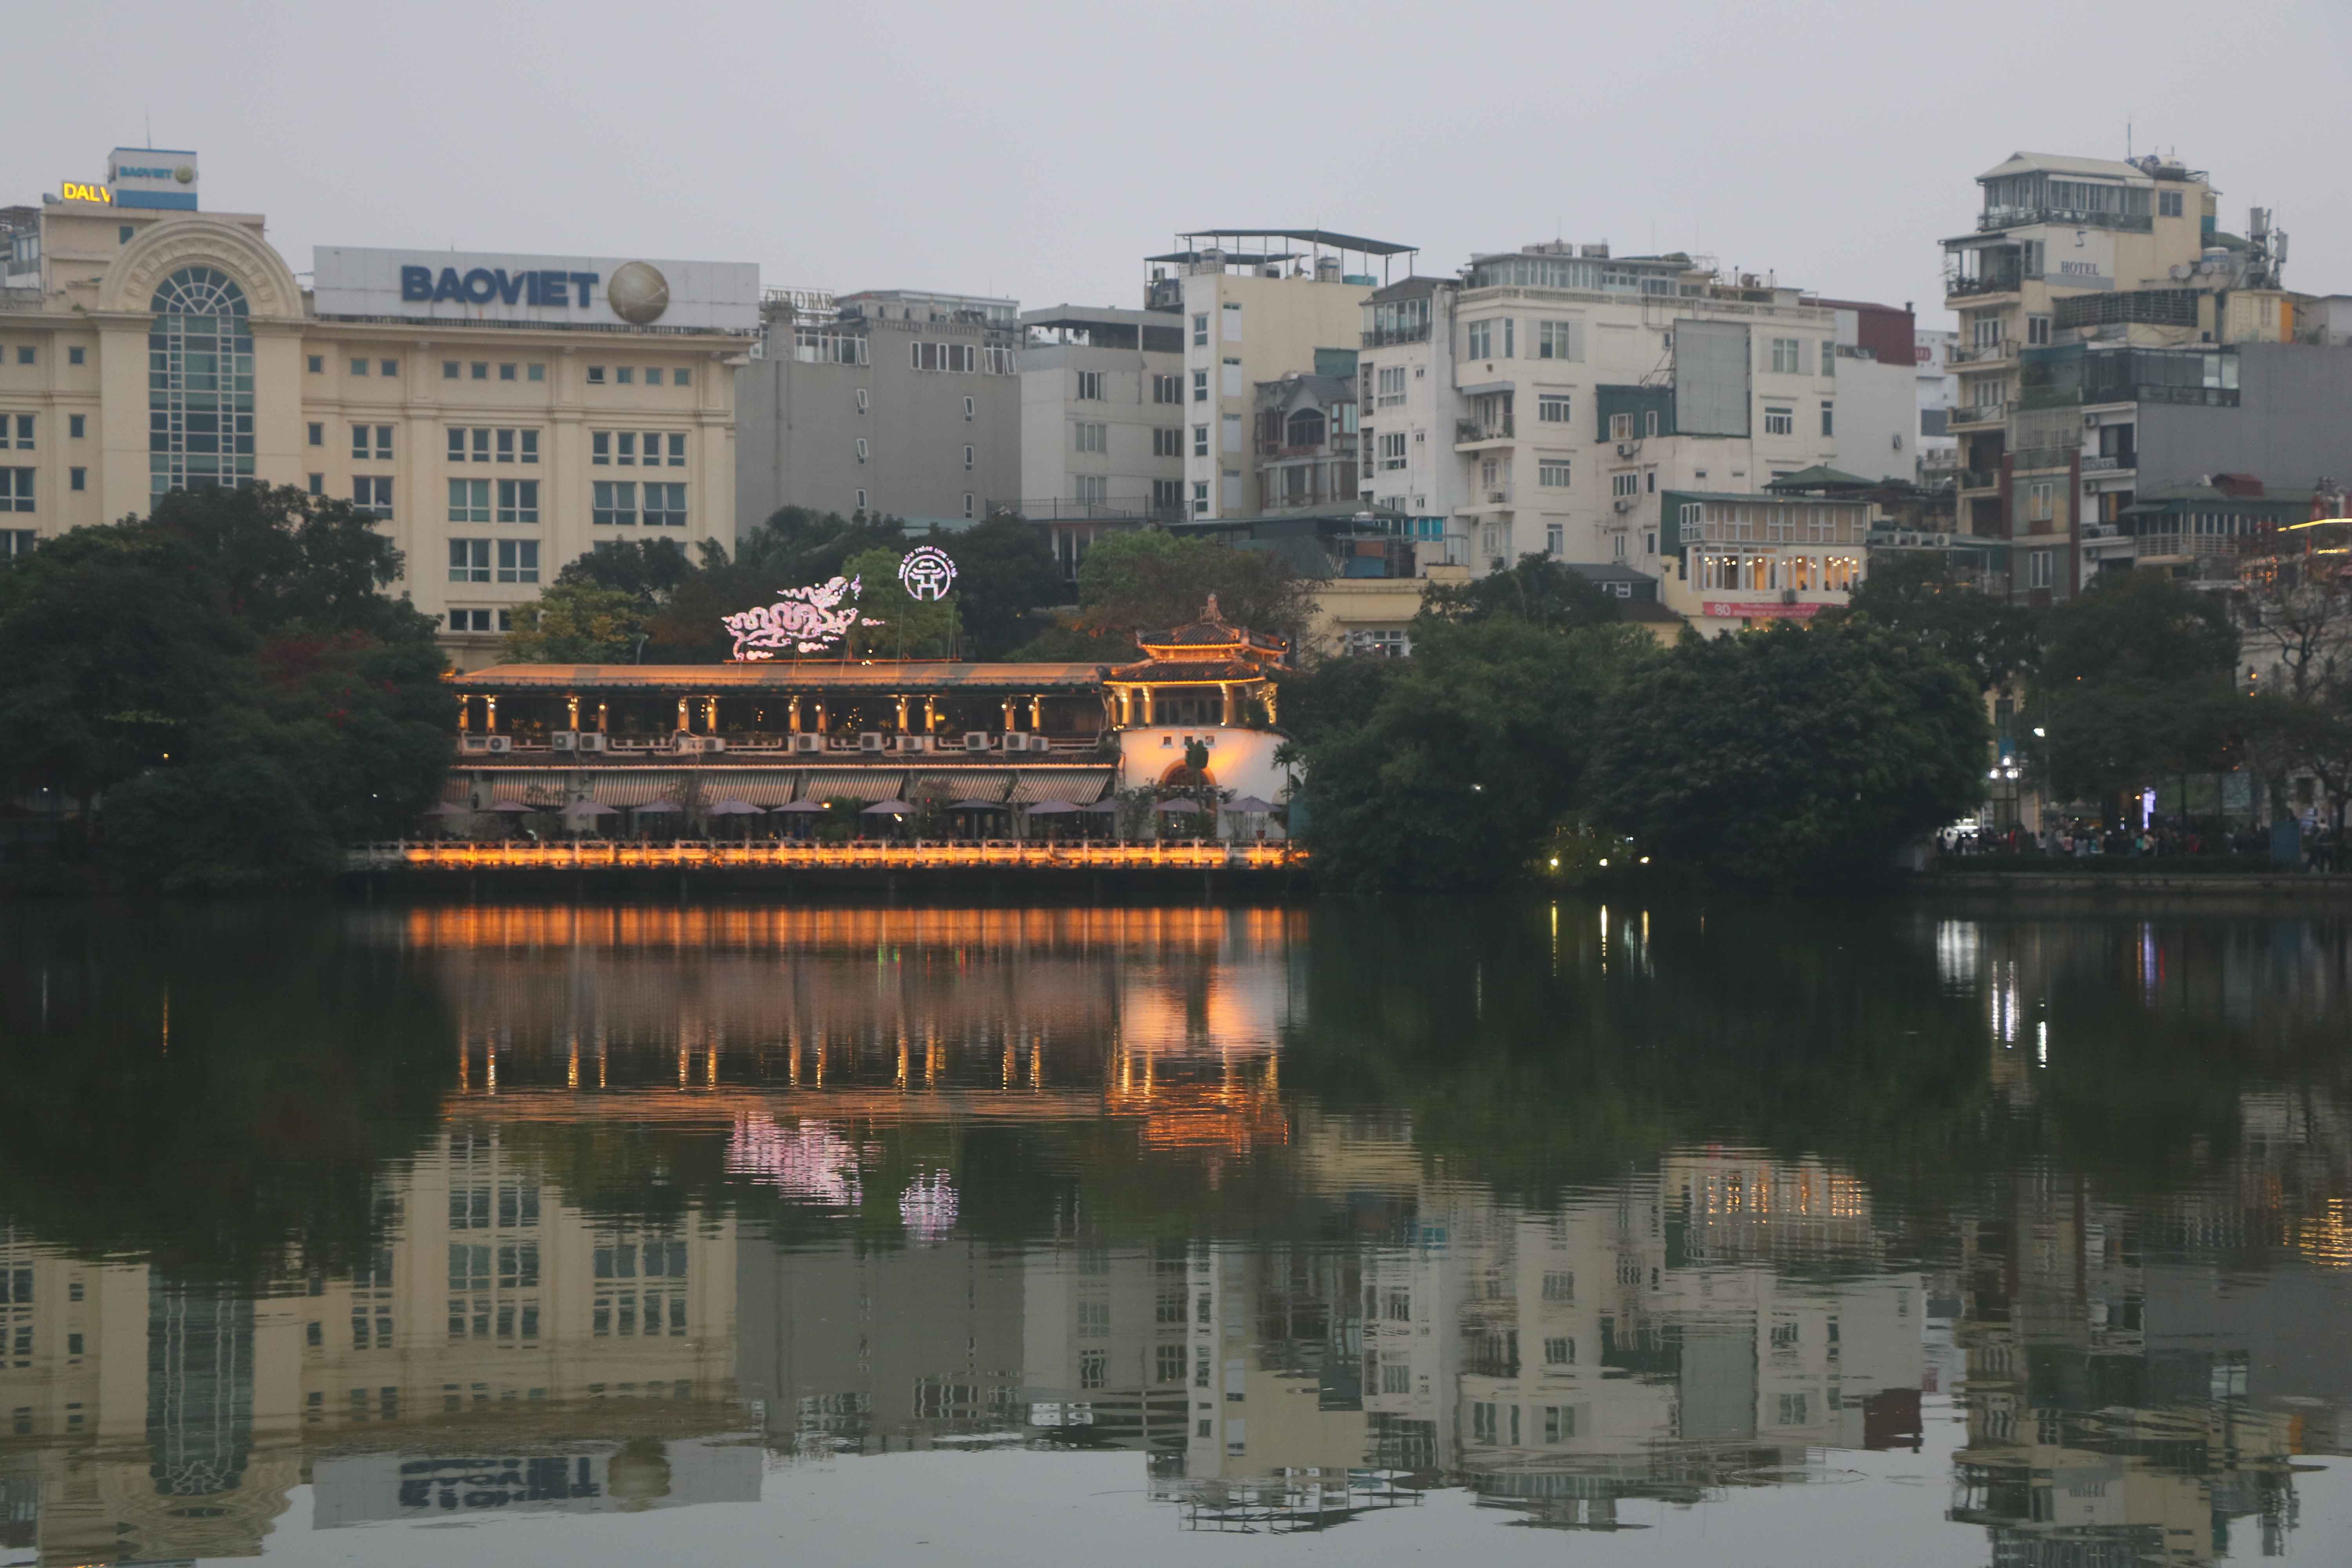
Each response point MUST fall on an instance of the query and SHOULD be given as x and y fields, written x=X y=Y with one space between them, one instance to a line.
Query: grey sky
x=1040 y=149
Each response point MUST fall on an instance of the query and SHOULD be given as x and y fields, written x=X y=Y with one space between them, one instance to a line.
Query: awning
x=877 y=784
x=978 y=784
x=631 y=789
x=1076 y=785
x=771 y=789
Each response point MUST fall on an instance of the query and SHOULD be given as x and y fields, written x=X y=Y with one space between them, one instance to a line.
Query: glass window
x=481 y=370
x=17 y=490
x=1091 y=386
x=359 y=367
x=677 y=451
x=1201 y=385
x=506 y=372
x=74 y=356
x=317 y=434
x=1201 y=330
x=518 y=560
x=449 y=370
x=595 y=375
x=470 y=501
x=318 y=364
x=200 y=396
x=1780 y=421
x=517 y=500
x=1828 y=418
x=77 y=478
x=1552 y=472
x=470 y=561
x=538 y=373
x=388 y=367
x=372 y=495
x=625 y=374
x=615 y=502
x=625 y=446
x=360 y=440
x=684 y=378
x=653 y=376
x=664 y=506
x=1553 y=410
x=600 y=446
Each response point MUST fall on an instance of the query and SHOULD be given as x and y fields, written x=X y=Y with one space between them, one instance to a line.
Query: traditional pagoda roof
x=1207 y=649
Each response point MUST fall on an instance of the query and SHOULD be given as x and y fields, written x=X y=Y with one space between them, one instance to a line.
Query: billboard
x=553 y=290
x=152 y=177
x=1710 y=377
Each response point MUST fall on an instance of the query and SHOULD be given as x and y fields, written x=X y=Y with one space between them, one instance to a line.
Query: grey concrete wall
x=797 y=427
x=2292 y=424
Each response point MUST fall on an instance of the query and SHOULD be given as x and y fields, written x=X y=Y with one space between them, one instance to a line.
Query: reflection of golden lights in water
x=2327 y=1236
x=1190 y=928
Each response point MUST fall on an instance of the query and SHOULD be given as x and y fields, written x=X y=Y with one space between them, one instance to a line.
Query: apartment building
x=891 y=402
x=1102 y=414
x=498 y=414
x=1937 y=390
x=1410 y=407
x=1252 y=310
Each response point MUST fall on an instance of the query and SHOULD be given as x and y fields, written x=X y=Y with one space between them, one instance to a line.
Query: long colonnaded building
x=830 y=730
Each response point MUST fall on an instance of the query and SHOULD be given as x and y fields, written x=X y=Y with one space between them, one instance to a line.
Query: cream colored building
x=499 y=414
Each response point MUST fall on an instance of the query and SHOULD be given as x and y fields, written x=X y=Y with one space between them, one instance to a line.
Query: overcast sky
x=1040 y=149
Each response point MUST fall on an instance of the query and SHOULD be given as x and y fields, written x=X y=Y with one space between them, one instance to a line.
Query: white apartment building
x=1104 y=403
x=1251 y=316
x=1938 y=391
x=1411 y=409
x=1591 y=384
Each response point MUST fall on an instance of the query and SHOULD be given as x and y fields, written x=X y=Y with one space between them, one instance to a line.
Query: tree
x=2135 y=683
x=575 y=623
x=1153 y=581
x=1920 y=595
x=1475 y=748
x=911 y=627
x=1334 y=693
x=1794 y=755
x=1540 y=590
x=228 y=678
x=1004 y=570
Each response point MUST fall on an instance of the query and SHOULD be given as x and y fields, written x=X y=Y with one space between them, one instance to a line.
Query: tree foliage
x=576 y=623
x=1471 y=752
x=1151 y=580
x=1922 y=596
x=1540 y=591
x=1794 y=755
x=227 y=681
x=2134 y=683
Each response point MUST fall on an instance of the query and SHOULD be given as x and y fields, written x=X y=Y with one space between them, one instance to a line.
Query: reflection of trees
x=208 y=1087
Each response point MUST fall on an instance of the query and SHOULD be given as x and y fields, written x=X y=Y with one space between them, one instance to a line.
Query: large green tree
x=2135 y=683
x=224 y=685
x=1472 y=753
x=1921 y=595
x=1794 y=755
x=1540 y=590
x=1151 y=580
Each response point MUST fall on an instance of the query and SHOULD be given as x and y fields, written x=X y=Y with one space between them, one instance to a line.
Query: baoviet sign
x=1723 y=609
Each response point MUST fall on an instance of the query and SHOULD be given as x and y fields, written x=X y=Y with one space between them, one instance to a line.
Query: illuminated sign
x=803 y=620
x=81 y=193
x=927 y=573
x=1719 y=609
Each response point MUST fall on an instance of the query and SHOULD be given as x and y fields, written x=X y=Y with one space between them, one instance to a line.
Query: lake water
x=1678 y=1235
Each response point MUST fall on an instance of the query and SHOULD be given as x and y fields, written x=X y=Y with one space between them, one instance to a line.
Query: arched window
x=200 y=383
x=1305 y=428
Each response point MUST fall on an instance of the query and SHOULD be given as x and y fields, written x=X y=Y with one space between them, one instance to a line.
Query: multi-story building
x=1591 y=385
x=484 y=408
x=890 y=402
x=1251 y=316
x=1938 y=389
x=1410 y=408
x=1103 y=408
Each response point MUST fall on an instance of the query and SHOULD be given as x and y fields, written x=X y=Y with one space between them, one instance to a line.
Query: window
x=1201 y=330
x=664 y=506
x=1555 y=539
x=1621 y=427
x=1552 y=472
x=476 y=442
x=963 y=358
x=967 y=459
x=2167 y=204
x=1167 y=389
x=1391 y=386
x=1091 y=386
x=373 y=496
x=1482 y=341
x=861 y=449
x=1199 y=386
x=1650 y=481
x=1553 y=410
x=480 y=371
x=512 y=446
x=1233 y=321
x=1166 y=443
x=535 y=373
x=1233 y=432
x=1392 y=449
x=968 y=410
x=470 y=501
x=1200 y=498
x=1780 y=421
x=318 y=435
x=78 y=479
x=1559 y=1420
x=23 y=356
x=1200 y=440
x=318 y=484
x=1829 y=417
x=595 y=375
x=1093 y=490
x=1232 y=378
x=681 y=378
x=517 y=500
x=74 y=356
x=469 y=560
x=359 y=367
x=1828 y=357
x=1628 y=483
x=1789 y=356
x=518 y=560
x=1557 y=340
x=861 y=500
x=24 y=432
x=617 y=503
x=1093 y=437
x=449 y=371
x=967 y=503
x=1617 y=548
x=382 y=448
x=1167 y=497
x=2037 y=332
x=469 y=620
x=1793 y=1410
x=318 y=364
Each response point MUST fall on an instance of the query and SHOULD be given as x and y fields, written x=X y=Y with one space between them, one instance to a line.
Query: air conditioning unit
x=1038 y=742
x=1627 y=448
x=870 y=740
x=564 y=741
x=1623 y=503
x=975 y=740
x=497 y=745
x=914 y=743
x=808 y=742
x=591 y=740
x=714 y=744
x=1788 y=595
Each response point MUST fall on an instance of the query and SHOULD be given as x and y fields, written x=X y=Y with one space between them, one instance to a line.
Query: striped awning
x=866 y=783
x=767 y=788
x=1079 y=787
x=631 y=788
x=979 y=783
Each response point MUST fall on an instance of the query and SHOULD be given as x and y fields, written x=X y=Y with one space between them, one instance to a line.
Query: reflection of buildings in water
x=175 y=1419
x=626 y=1477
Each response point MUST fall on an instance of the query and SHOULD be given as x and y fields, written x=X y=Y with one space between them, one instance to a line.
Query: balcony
x=2065 y=217
x=2118 y=465
x=1979 y=414
x=1983 y=354
x=1979 y=478
x=1384 y=337
x=1473 y=432
x=1958 y=286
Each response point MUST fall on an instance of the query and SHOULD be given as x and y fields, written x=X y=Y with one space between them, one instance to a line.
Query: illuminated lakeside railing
x=1176 y=855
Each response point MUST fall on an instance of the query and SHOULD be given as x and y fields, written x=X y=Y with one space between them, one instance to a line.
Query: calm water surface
x=1665 y=1234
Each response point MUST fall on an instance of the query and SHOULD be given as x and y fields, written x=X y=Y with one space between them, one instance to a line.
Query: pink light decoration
x=802 y=620
x=809 y=1161
x=929 y=1207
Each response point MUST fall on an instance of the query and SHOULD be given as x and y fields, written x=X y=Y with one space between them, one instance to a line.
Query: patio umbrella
x=588 y=810
x=976 y=805
x=656 y=806
x=888 y=808
x=1250 y=803
x=517 y=808
x=1105 y=807
x=731 y=807
x=1051 y=808
x=799 y=806
x=1178 y=807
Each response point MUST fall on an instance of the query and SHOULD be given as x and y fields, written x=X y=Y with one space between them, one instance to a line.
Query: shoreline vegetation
x=233 y=680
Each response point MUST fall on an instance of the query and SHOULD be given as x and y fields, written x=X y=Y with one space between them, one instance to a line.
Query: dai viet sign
x=76 y=191
x=1723 y=609
x=802 y=620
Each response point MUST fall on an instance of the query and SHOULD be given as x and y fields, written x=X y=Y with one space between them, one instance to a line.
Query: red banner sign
x=1727 y=610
